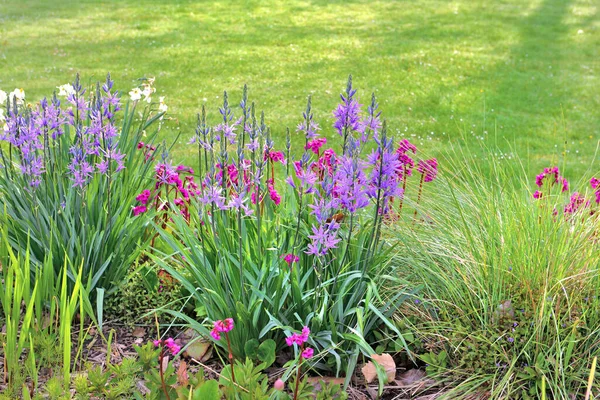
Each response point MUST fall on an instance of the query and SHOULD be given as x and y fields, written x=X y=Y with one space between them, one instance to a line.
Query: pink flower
x=172 y=346
x=298 y=339
x=139 y=210
x=143 y=197
x=305 y=333
x=565 y=184
x=315 y=145
x=537 y=194
x=290 y=258
x=215 y=334
x=308 y=352
x=276 y=156
x=274 y=195
x=157 y=343
x=405 y=146
x=279 y=385
x=429 y=168
x=224 y=326
x=595 y=183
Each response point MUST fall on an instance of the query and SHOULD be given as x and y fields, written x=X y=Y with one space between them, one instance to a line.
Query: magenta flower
x=298 y=339
x=308 y=352
x=315 y=145
x=428 y=168
x=143 y=197
x=575 y=203
x=290 y=259
x=595 y=183
x=276 y=156
x=139 y=210
x=274 y=195
x=215 y=334
x=170 y=344
x=537 y=194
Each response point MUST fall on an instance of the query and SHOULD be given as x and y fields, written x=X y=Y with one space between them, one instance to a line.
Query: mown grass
x=520 y=74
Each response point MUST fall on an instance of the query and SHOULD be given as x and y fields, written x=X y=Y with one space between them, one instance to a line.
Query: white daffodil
x=18 y=95
x=65 y=90
x=2 y=98
x=162 y=107
x=135 y=94
x=2 y=117
x=147 y=92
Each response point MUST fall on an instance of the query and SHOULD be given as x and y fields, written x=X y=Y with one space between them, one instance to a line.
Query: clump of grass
x=511 y=283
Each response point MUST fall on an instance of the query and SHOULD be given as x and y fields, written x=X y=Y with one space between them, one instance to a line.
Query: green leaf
x=251 y=348
x=266 y=352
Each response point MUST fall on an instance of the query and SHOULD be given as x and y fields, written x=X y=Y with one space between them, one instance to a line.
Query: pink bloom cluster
x=290 y=258
x=219 y=327
x=404 y=147
x=300 y=339
x=315 y=145
x=595 y=183
x=428 y=168
x=148 y=149
x=178 y=181
x=170 y=344
x=556 y=178
x=576 y=202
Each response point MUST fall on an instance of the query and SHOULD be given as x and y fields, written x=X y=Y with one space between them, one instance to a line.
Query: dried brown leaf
x=384 y=360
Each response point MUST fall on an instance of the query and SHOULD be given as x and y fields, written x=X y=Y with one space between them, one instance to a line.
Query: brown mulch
x=409 y=383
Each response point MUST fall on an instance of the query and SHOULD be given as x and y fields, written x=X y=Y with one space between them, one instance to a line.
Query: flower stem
x=162 y=374
x=418 y=197
x=230 y=356
x=298 y=373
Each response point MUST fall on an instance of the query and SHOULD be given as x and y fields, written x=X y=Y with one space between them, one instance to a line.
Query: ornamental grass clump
x=509 y=307
x=69 y=174
x=281 y=238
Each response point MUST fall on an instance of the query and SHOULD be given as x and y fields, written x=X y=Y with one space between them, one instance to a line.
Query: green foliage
x=38 y=319
x=330 y=391
x=263 y=352
x=511 y=290
x=92 y=227
x=436 y=363
x=250 y=382
x=140 y=293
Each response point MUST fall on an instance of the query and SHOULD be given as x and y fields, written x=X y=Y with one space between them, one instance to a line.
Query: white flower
x=147 y=92
x=162 y=107
x=2 y=117
x=135 y=94
x=18 y=94
x=65 y=90
x=2 y=98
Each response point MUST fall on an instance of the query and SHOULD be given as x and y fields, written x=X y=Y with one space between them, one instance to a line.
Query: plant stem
x=403 y=191
x=230 y=356
x=298 y=373
x=162 y=374
x=418 y=197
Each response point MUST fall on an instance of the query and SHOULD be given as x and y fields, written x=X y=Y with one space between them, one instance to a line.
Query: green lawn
x=507 y=71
